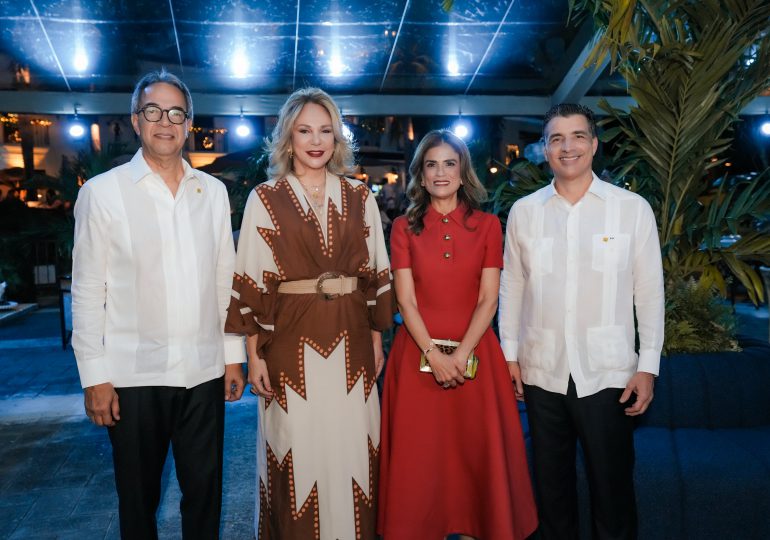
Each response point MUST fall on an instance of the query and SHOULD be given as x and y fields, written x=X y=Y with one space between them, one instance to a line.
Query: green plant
x=245 y=179
x=691 y=67
x=697 y=319
x=525 y=178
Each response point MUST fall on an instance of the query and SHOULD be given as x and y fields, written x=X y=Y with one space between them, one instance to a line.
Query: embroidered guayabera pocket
x=608 y=348
x=610 y=252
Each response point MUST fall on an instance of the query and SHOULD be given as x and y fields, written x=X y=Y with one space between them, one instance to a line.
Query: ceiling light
x=336 y=67
x=240 y=64
x=453 y=67
x=76 y=128
x=80 y=61
x=243 y=129
x=461 y=129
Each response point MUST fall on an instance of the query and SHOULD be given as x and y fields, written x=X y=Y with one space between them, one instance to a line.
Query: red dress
x=452 y=461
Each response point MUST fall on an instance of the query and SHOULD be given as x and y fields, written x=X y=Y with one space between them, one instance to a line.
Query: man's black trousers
x=605 y=433
x=192 y=422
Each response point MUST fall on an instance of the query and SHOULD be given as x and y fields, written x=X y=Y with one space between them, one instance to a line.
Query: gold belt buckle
x=320 y=283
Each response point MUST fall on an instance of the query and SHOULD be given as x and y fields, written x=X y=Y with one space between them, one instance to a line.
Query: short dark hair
x=161 y=76
x=570 y=109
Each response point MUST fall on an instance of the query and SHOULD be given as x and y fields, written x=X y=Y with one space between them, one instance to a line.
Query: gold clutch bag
x=447 y=346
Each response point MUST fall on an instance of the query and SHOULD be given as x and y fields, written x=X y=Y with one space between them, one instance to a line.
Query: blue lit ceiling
x=495 y=47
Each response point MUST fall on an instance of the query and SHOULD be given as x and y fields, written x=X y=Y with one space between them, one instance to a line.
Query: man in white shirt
x=151 y=281
x=581 y=258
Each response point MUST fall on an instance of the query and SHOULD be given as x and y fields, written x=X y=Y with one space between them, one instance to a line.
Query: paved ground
x=55 y=467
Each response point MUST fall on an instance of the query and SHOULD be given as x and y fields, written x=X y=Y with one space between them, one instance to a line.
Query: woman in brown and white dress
x=312 y=291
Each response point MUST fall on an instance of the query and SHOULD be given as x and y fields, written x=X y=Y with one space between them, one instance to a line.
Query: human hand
x=514 y=370
x=445 y=369
x=101 y=403
x=259 y=378
x=379 y=353
x=640 y=384
x=234 y=382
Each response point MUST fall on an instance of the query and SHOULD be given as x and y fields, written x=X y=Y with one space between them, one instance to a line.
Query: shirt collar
x=598 y=187
x=139 y=169
x=433 y=216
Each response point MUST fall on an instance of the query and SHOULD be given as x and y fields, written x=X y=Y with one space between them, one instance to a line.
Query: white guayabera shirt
x=572 y=276
x=151 y=279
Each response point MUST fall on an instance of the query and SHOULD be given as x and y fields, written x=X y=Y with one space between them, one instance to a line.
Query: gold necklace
x=315 y=194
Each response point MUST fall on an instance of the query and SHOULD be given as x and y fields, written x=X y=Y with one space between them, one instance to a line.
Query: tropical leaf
x=525 y=178
x=691 y=66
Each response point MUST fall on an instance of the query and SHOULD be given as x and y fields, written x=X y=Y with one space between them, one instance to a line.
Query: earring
x=291 y=153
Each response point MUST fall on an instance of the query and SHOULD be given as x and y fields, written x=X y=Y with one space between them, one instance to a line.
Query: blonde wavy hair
x=278 y=145
x=472 y=192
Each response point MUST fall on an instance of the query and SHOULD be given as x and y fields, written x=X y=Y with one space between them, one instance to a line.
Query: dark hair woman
x=452 y=451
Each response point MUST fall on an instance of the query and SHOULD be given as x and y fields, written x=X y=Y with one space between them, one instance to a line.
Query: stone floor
x=55 y=467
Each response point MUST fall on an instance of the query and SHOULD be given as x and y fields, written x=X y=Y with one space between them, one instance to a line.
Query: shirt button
x=445 y=220
x=447 y=237
x=447 y=255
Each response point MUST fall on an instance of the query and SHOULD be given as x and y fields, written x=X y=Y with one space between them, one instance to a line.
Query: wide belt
x=329 y=285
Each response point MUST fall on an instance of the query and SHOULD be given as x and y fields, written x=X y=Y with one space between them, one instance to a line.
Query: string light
x=208 y=131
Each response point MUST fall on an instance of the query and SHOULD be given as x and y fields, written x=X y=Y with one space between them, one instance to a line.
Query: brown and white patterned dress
x=321 y=431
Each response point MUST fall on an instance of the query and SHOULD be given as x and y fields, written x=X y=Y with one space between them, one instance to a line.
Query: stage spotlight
x=764 y=128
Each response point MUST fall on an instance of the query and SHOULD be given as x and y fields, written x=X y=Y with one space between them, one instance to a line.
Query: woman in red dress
x=452 y=453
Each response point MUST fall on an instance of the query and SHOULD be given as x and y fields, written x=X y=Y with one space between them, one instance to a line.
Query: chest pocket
x=538 y=255
x=610 y=252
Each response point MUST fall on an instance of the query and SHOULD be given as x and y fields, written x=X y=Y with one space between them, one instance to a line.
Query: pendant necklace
x=315 y=196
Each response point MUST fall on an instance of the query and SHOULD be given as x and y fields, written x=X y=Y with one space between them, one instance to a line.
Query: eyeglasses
x=153 y=113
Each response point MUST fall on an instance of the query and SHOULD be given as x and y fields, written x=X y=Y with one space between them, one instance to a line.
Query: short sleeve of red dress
x=493 y=253
x=400 y=254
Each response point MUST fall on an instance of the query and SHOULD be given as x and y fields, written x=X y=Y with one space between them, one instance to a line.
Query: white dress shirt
x=151 y=279
x=572 y=276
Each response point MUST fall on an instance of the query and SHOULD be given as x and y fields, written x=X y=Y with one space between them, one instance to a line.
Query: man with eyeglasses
x=582 y=259
x=151 y=281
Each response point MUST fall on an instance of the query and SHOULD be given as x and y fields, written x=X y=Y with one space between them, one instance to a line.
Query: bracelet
x=429 y=348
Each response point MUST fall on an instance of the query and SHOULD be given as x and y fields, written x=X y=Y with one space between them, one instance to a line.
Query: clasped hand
x=448 y=369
